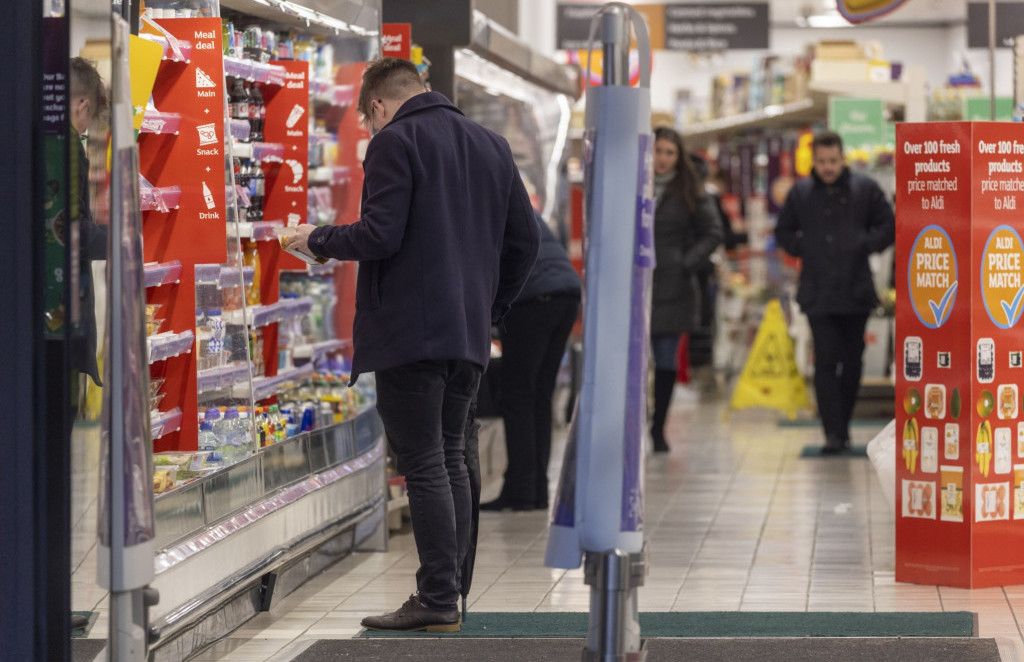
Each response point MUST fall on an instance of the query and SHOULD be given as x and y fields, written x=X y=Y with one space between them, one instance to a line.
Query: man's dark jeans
x=838 y=364
x=423 y=406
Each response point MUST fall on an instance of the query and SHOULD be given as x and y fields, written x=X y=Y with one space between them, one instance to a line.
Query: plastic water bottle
x=214 y=323
x=228 y=430
x=213 y=417
x=208 y=441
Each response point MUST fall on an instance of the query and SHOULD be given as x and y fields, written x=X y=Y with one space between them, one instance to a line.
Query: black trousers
x=424 y=406
x=838 y=365
x=533 y=342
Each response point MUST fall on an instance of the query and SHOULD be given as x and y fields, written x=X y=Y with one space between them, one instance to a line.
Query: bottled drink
x=257 y=113
x=208 y=441
x=256 y=351
x=277 y=423
x=284 y=343
x=251 y=258
x=235 y=440
x=240 y=102
x=213 y=417
x=202 y=341
x=257 y=188
x=245 y=427
x=214 y=323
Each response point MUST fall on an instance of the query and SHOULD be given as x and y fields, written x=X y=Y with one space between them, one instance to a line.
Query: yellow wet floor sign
x=770 y=377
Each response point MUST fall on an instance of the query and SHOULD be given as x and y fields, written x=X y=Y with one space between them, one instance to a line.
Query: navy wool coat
x=834 y=229
x=445 y=239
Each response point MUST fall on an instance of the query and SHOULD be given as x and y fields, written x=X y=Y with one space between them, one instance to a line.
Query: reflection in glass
x=535 y=122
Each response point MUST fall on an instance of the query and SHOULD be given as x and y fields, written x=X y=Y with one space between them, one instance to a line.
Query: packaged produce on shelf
x=180 y=9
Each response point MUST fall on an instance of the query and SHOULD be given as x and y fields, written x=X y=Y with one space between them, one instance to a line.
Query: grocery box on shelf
x=832 y=70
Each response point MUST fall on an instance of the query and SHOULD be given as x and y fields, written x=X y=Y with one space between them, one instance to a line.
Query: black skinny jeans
x=838 y=364
x=423 y=406
x=533 y=341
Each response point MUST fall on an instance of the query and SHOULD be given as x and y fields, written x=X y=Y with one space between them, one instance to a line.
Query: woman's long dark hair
x=687 y=184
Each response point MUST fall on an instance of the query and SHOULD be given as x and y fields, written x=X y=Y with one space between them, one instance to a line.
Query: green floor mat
x=81 y=632
x=718 y=624
x=814 y=450
x=746 y=649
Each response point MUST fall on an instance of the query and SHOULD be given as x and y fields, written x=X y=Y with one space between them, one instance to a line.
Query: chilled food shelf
x=268 y=152
x=324 y=91
x=155 y=121
x=229 y=276
x=258 y=231
x=240 y=129
x=325 y=269
x=161 y=273
x=271 y=313
x=163 y=346
x=257 y=72
x=163 y=423
x=175 y=50
x=159 y=198
x=272 y=152
x=333 y=175
x=266 y=387
x=235 y=195
x=225 y=376
x=316 y=350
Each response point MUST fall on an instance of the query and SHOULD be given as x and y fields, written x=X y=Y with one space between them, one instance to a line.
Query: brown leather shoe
x=414 y=616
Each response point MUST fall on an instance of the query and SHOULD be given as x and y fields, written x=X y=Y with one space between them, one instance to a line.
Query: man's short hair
x=86 y=81
x=388 y=78
x=827 y=139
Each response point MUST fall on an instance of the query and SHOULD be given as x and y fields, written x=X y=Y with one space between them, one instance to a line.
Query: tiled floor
x=735 y=521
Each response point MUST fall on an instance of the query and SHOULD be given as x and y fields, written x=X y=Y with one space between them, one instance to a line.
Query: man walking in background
x=833 y=221
x=445 y=241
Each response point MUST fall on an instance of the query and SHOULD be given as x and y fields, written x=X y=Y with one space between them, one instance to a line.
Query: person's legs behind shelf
x=523 y=335
x=562 y=312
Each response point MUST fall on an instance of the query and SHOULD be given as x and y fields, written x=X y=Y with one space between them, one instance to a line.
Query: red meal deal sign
x=194 y=158
x=287 y=184
x=195 y=232
x=288 y=123
x=396 y=40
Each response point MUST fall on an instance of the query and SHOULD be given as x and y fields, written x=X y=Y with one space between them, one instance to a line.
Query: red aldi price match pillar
x=959 y=493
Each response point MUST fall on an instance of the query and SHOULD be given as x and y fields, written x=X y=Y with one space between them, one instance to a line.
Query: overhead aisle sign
x=677 y=26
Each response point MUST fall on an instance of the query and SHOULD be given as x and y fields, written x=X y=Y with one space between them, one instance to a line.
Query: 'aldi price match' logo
x=932 y=276
x=1002 y=288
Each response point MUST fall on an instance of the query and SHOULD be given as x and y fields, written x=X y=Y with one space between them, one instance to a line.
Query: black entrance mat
x=747 y=649
x=717 y=624
x=86 y=650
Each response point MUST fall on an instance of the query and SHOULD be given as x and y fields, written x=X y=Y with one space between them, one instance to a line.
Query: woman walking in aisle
x=686 y=231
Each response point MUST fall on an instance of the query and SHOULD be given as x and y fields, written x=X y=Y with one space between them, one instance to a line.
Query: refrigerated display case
x=268 y=465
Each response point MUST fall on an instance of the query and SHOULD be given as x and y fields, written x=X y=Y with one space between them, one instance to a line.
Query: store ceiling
x=917 y=12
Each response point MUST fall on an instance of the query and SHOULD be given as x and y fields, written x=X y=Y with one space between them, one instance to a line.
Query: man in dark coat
x=833 y=220
x=445 y=241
